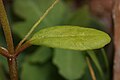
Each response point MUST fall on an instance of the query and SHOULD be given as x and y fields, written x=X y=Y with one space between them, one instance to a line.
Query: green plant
x=66 y=37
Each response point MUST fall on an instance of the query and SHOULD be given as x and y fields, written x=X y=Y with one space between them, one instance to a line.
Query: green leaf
x=35 y=72
x=71 y=37
x=71 y=63
x=31 y=10
x=96 y=62
x=2 y=73
x=106 y=61
x=3 y=62
x=41 y=55
x=82 y=17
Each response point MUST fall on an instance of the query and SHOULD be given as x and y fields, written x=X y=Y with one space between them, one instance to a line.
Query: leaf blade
x=71 y=64
x=71 y=37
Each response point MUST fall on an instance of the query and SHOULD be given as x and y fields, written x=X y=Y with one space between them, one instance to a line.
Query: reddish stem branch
x=22 y=48
x=4 y=52
x=13 y=68
x=37 y=23
x=6 y=28
x=12 y=54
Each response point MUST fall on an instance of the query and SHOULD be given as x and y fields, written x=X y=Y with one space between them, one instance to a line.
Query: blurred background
x=43 y=63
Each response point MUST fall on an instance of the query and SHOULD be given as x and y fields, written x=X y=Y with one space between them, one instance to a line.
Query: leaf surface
x=71 y=37
x=71 y=64
x=35 y=72
x=41 y=55
x=31 y=10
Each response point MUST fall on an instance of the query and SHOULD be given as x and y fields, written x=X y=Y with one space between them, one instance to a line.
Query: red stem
x=13 y=68
x=22 y=48
x=6 y=28
x=4 y=52
x=7 y=31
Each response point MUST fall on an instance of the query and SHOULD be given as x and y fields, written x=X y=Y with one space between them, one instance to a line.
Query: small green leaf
x=31 y=10
x=41 y=55
x=2 y=73
x=35 y=72
x=71 y=64
x=71 y=37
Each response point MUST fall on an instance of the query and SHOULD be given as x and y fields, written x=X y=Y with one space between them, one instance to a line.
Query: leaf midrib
x=65 y=36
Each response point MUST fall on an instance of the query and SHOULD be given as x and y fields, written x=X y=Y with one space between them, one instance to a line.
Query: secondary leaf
x=2 y=73
x=71 y=37
x=71 y=64
x=35 y=72
x=41 y=55
x=82 y=17
x=3 y=61
x=31 y=10
x=96 y=62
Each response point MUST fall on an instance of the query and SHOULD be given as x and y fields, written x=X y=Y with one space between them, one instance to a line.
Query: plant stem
x=6 y=28
x=13 y=68
x=96 y=62
x=37 y=23
x=22 y=48
x=4 y=52
x=91 y=69
x=116 y=19
x=106 y=62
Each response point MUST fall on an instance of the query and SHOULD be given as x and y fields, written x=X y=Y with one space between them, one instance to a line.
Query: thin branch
x=91 y=69
x=6 y=28
x=22 y=48
x=4 y=52
x=37 y=23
